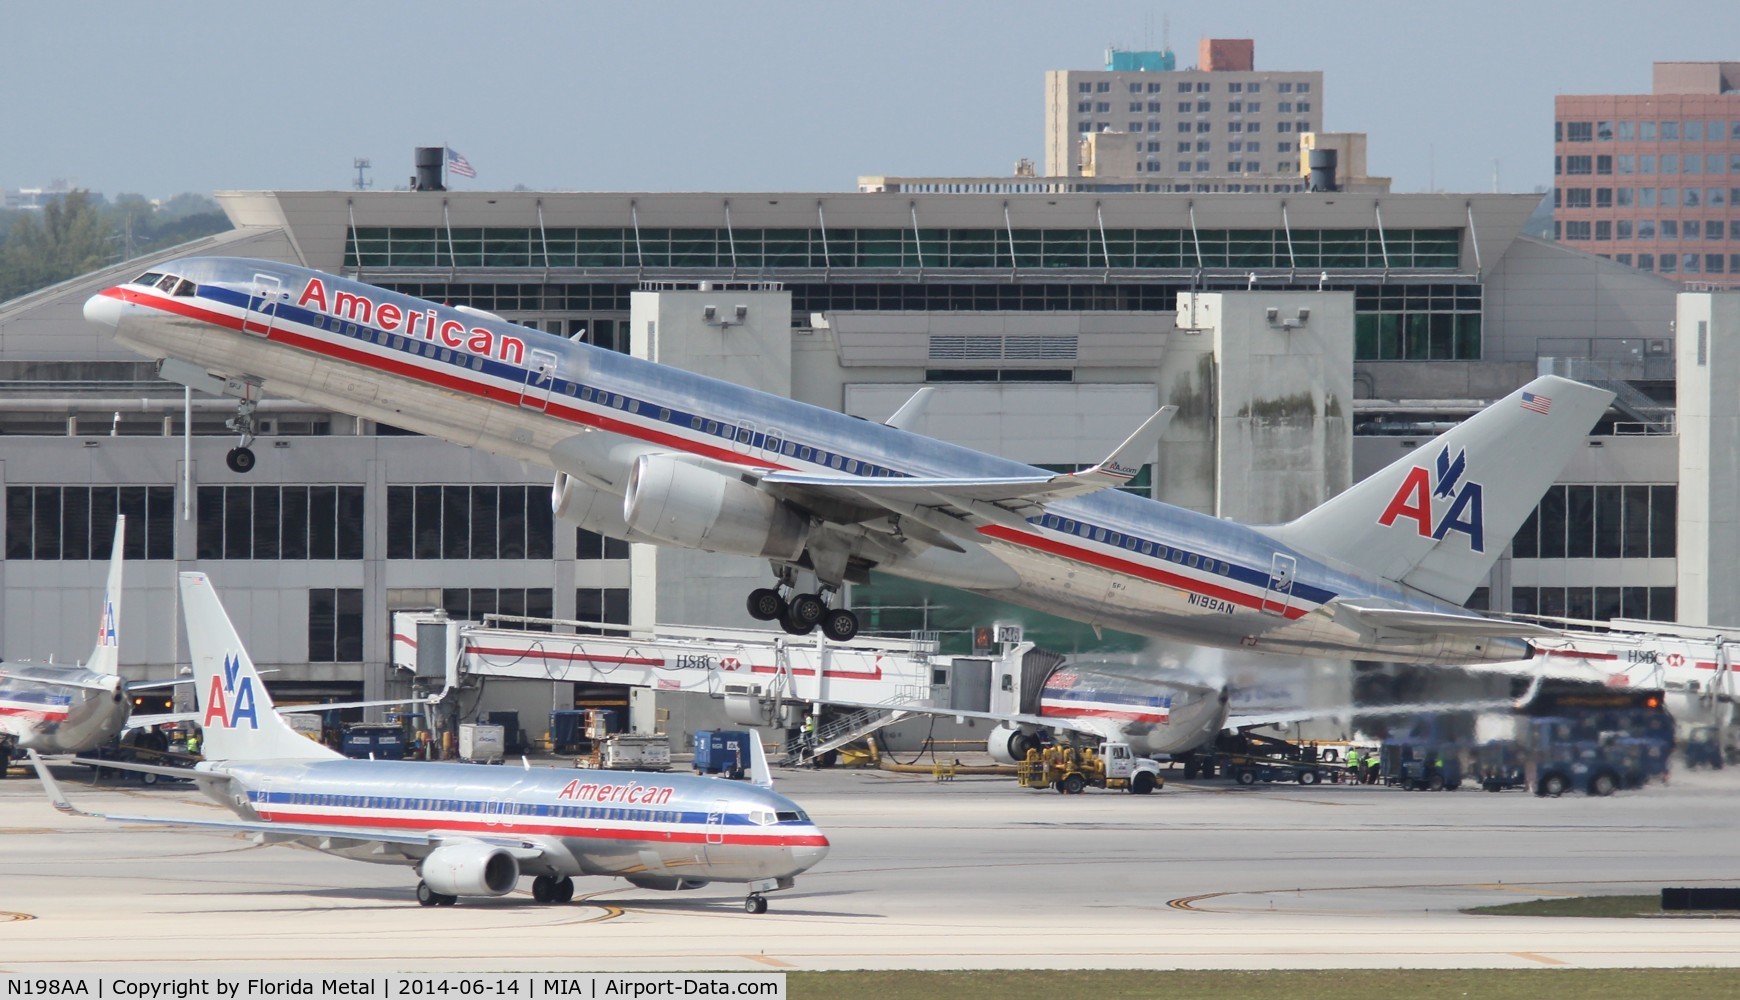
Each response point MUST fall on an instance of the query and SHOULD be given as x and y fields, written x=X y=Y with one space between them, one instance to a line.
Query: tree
x=70 y=238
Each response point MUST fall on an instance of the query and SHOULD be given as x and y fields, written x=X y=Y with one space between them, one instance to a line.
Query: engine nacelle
x=697 y=508
x=1009 y=745
x=470 y=870
x=664 y=883
x=591 y=508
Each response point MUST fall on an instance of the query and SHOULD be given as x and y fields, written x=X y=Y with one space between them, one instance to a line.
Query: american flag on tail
x=1536 y=402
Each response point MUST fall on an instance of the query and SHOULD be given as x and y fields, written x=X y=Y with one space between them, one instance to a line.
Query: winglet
x=760 y=774
x=56 y=798
x=912 y=411
x=1126 y=459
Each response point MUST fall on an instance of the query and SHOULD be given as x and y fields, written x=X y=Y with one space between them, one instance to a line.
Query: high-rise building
x=1220 y=126
x=1653 y=180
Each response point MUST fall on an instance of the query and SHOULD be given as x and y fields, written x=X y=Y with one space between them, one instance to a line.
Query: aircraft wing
x=522 y=849
x=999 y=499
x=1385 y=622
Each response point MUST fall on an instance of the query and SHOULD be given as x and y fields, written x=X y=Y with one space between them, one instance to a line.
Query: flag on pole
x=457 y=164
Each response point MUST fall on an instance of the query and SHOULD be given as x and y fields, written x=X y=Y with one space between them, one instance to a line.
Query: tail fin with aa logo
x=1435 y=520
x=235 y=711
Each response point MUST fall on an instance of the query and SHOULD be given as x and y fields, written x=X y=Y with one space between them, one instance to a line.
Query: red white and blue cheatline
x=458 y=164
x=1534 y=402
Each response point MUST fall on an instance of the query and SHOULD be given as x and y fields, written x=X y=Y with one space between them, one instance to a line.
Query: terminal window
x=473 y=603
x=279 y=522
x=78 y=522
x=469 y=522
x=335 y=625
x=608 y=605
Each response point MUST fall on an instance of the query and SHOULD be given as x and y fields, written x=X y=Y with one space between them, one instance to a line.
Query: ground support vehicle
x=1071 y=770
x=1419 y=766
x=1500 y=765
x=1248 y=769
x=1703 y=748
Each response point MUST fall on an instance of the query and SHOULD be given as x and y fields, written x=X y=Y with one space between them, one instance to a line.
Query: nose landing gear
x=241 y=458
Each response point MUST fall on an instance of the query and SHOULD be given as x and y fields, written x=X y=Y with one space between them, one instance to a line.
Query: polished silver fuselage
x=56 y=709
x=648 y=826
x=1108 y=559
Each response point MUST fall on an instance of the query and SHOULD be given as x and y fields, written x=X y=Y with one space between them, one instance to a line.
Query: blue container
x=724 y=751
x=567 y=729
x=383 y=742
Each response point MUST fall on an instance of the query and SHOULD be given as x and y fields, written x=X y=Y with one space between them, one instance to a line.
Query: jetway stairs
x=1629 y=401
x=838 y=732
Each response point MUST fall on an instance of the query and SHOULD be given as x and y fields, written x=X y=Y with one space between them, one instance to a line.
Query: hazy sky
x=779 y=95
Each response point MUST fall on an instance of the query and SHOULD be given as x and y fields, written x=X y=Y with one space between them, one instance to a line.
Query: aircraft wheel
x=240 y=460
x=427 y=896
x=807 y=610
x=563 y=890
x=446 y=900
x=755 y=904
x=840 y=625
x=541 y=889
x=792 y=627
x=1141 y=783
x=765 y=604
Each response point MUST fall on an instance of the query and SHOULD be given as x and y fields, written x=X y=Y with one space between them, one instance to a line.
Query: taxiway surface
x=973 y=873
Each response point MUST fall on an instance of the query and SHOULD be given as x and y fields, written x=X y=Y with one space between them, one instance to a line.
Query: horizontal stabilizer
x=1382 y=623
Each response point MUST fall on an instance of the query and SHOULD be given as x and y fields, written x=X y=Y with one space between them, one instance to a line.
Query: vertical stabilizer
x=106 y=654
x=760 y=774
x=235 y=711
x=1436 y=520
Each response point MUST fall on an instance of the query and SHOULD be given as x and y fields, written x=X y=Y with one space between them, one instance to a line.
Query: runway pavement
x=973 y=873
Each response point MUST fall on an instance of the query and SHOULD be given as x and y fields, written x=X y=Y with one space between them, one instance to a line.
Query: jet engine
x=1009 y=745
x=591 y=508
x=695 y=507
x=470 y=870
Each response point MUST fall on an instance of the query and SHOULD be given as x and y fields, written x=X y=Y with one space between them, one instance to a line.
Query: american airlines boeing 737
x=468 y=829
x=68 y=708
x=650 y=453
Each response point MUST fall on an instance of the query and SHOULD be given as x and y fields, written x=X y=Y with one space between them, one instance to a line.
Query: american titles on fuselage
x=358 y=308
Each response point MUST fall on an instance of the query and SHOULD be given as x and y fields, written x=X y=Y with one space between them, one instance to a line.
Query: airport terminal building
x=1049 y=324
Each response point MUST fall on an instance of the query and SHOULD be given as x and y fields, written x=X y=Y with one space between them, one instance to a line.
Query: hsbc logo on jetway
x=1438 y=501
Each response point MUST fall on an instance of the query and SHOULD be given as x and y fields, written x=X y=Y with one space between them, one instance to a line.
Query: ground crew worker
x=193 y=743
x=1356 y=764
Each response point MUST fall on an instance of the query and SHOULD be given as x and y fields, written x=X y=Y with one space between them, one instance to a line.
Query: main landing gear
x=755 y=903
x=429 y=897
x=800 y=614
x=552 y=889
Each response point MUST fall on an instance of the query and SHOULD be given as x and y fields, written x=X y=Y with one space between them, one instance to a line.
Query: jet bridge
x=763 y=678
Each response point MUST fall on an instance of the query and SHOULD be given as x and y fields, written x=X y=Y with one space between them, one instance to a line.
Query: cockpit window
x=148 y=278
x=186 y=288
x=167 y=282
x=796 y=816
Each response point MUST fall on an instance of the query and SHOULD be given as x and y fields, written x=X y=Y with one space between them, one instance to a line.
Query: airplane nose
x=807 y=856
x=104 y=310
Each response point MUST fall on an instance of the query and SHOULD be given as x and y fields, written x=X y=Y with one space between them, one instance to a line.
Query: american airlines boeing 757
x=650 y=453
x=468 y=829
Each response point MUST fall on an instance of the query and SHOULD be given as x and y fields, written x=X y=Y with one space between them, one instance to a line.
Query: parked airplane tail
x=106 y=654
x=1436 y=519
x=235 y=711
